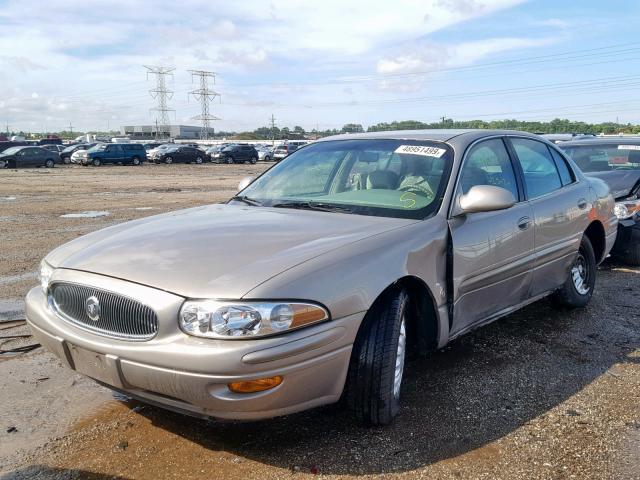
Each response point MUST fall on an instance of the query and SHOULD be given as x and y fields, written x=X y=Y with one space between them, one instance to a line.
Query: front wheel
x=376 y=369
x=168 y=160
x=577 y=290
x=135 y=161
x=96 y=162
x=199 y=160
x=66 y=160
x=230 y=160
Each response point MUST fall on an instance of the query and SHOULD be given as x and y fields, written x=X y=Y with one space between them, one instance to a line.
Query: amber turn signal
x=252 y=386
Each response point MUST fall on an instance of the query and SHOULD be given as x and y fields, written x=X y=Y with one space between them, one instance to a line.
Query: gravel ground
x=543 y=393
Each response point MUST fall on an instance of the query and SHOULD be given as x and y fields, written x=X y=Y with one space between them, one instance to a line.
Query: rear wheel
x=377 y=362
x=577 y=290
x=254 y=159
x=49 y=163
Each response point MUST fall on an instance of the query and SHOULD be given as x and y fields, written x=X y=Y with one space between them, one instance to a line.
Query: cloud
x=428 y=58
x=84 y=59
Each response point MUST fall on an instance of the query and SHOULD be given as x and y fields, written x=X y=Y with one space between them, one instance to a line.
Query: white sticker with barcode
x=628 y=147
x=421 y=150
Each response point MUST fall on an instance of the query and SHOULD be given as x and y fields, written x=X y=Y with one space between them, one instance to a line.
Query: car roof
x=437 y=135
x=601 y=141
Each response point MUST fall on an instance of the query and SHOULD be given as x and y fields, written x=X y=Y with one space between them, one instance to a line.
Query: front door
x=492 y=252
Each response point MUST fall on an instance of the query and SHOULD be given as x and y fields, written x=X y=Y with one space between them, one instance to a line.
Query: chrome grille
x=120 y=317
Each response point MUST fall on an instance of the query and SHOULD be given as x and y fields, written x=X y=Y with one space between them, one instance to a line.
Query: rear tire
x=578 y=288
x=372 y=390
x=49 y=163
x=254 y=160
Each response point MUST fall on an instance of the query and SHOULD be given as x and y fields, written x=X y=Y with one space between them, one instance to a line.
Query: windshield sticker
x=421 y=150
x=628 y=147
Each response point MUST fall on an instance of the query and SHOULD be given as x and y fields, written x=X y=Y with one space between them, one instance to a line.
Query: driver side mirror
x=484 y=198
x=245 y=182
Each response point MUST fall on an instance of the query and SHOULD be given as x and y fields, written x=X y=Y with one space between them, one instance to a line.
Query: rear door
x=492 y=252
x=560 y=211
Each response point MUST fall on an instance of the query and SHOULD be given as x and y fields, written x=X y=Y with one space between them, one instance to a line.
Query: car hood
x=621 y=182
x=220 y=251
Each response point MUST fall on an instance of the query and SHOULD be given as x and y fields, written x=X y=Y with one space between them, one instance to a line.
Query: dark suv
x=238 y=154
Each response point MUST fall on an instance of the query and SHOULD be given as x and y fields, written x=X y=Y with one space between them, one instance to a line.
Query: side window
x=540 y=173
x=566 y=175
x=488 y=163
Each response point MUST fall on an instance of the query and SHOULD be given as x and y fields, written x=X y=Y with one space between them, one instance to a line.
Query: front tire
x=96 y=162
x=66 y=160
x=135 y=161
x=374 y=381
x=199 y=160
x=577 y=290
x=168 y=160
x=230 y=160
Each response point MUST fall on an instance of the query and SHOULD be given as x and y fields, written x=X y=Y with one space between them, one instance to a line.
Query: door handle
x=524 y=223
x=582 y=204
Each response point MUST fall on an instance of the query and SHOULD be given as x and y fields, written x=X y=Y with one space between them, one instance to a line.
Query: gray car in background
x=318 y=279
x=616 y=160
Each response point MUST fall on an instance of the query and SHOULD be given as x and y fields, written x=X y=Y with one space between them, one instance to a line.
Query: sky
x=318 y=64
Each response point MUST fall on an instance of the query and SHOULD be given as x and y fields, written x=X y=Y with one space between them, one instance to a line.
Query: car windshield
x=390 y=178
x=11 y=150
x=69 y=149
x=603 y=157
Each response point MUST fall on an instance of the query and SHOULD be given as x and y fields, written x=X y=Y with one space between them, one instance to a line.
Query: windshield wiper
x=248 y=200
x=318 y=206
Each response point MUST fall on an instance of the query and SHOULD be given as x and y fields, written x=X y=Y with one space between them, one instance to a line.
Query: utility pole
x=273 y=129
x=161 y=94
x=204 y=96
x=71 y=128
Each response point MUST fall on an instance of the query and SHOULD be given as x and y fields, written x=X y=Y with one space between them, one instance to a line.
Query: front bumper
x=628 y=237
x=190 y=374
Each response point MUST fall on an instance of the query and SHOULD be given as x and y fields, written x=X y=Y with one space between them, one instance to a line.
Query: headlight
x=626 y=209
x=44 y=274
x=214 y=319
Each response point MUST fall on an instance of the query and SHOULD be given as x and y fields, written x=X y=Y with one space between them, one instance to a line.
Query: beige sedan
x=317 y=280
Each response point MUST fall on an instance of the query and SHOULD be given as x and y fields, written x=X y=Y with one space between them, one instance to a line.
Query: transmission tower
x=204 y=96
x=161 y=94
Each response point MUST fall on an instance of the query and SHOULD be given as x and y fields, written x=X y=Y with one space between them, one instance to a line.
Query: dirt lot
x=540 y=394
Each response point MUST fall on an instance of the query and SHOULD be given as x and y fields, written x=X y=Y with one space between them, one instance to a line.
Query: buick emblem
x=92 y=307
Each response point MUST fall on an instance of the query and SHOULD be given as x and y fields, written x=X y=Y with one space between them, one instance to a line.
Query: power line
x=204 y=96
x=161 y=94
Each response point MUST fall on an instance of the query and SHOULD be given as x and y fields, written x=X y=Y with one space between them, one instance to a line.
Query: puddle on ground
x=88 y=214
x=145 y=208
x=8 y=199
x=11 y=309
x=18 y=278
